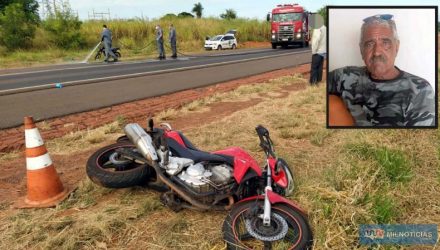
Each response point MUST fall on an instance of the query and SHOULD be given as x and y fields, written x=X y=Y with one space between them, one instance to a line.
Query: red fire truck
x=289 y=25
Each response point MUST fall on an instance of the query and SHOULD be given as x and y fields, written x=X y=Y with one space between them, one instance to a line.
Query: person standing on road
x=319 y=50
x=159 y=40
x=173 y=41
x=106 y=38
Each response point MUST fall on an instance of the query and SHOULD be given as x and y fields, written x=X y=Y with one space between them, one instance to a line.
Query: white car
x=227 y=41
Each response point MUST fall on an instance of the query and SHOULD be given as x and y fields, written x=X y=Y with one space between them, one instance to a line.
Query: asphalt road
x=92 y=86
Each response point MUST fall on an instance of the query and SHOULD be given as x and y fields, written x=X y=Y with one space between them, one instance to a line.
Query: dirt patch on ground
x=216 y=111
x=71 y=168
x=13 y=138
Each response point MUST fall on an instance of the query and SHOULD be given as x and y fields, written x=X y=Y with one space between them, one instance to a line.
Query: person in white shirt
x=319 y=52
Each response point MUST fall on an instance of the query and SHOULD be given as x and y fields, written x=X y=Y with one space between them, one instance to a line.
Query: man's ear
x=397 y=46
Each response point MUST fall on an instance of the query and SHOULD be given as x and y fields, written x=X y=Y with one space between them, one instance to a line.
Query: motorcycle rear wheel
x=107 y=168
x=298 y=237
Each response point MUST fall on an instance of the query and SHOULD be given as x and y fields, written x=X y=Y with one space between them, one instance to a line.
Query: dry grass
x=10 y=155
x=242 y=93
x=75 y=142
x=82 y=140
x=344 y=178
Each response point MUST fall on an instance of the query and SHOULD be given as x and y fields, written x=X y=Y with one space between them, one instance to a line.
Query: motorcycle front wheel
x=243 y=229
x=98 y=55
x=108 y=168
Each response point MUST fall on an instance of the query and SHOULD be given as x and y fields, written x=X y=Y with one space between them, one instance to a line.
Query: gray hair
x=374 y=21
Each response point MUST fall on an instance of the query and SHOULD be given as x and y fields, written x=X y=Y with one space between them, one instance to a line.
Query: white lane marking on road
x=111 y=64
x=147 y=73
x=85 y=67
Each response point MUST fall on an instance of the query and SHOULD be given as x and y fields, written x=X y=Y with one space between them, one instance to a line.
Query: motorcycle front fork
x=267 y=206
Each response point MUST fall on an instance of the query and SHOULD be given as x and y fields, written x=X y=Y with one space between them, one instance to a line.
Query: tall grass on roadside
x=138 y=32
x=136 y=38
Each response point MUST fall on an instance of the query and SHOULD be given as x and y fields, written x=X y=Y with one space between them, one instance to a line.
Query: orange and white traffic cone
x=44 y=187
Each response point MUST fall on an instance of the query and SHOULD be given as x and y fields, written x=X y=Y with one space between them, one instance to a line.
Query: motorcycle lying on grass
x=101 y=52
x=228 y=179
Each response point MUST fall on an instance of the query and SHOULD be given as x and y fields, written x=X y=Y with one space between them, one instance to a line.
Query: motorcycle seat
x=191 y=152
x=187 y=142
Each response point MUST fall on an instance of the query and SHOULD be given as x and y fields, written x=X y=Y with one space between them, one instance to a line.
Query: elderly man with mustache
x=379 y=94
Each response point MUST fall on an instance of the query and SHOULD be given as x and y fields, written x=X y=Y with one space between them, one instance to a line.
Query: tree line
x=197 y=10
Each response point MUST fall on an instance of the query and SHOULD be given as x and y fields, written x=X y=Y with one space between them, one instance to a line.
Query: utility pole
x=100 y=15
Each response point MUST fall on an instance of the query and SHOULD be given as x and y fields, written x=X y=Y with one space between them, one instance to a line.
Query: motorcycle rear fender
x=122 y=138
x=275 y=198
x=243 y=162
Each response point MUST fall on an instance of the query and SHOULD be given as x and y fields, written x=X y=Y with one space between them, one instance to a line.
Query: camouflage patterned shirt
x=407 y=100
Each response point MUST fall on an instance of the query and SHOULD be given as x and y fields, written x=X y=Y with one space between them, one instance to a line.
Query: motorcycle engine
x=204 y=178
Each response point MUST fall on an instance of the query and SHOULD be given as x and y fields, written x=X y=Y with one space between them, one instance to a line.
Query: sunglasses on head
x=380 y=16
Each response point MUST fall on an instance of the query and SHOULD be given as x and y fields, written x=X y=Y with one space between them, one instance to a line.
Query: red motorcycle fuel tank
x=242 y=162
x=175 y=135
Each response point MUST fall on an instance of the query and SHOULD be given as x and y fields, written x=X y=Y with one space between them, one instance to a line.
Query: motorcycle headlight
x=273 y=36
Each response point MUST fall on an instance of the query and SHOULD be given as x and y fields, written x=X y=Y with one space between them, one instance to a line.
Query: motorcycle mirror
x=262 y=131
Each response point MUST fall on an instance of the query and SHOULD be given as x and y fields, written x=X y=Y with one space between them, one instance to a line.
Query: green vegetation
x=185 y=15
x=392 y=163
x=18 y=20
x=63 y=29
x=229 y=14
x=198 y=10
x=384 y=209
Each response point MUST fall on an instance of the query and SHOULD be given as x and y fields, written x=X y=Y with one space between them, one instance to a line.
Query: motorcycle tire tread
x=115 y=179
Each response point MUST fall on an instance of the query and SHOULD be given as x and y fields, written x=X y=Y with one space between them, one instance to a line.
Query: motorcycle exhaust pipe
x=144 y=144
x=142 y=141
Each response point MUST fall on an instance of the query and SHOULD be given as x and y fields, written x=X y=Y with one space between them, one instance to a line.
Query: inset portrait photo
x=382 y=64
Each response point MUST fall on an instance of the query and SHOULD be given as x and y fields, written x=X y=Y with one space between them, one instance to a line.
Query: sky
x=244 y=8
